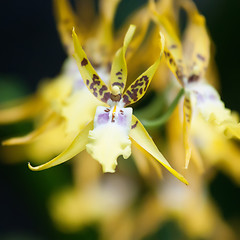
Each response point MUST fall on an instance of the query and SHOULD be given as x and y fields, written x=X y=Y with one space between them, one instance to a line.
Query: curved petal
x=75 y=147
x=187 y=116
x=107 y=14
x=141 y=19
x=196 y=42
x=173 y=48
x=145 y=163
x=142 y=138
x=65 y=20
x=139 y=87
x=119 y=66
x=22 y=110
x=50 y=122
x=91 y=79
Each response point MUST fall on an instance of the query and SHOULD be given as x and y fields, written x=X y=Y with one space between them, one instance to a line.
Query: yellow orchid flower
x=59 y=98
x=189 y=63
x=113 y=123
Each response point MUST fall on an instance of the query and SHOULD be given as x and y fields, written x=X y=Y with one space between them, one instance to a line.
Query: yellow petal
x=141 y=19
x=75 y=147
x=52 y=121
x=107 y=14
x=65 y=20
x=78 y=109
x=142 y=138
x=187 y=115
x=231 y=129
x=196 y=42
x=119 y=66
x=145 y=163
x=141 y=161
x=91 y=79
x=54 y=91
x=139 y=87
x=173 y=48
x=21 y=110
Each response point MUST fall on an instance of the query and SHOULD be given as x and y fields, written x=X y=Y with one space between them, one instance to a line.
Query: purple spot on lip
x=212 y=97
x=200 y=98
x=103 y=118
x=121 y=120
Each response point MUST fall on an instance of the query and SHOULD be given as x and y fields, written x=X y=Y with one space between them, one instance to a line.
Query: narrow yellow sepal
x=139 y=87
x=20 y=110
x=119 y=66
x=187 y=115
x=173 y=49
x=90 y=77
x=196 y=41
x=50 y=123
x=75 y=147
x=142 y=138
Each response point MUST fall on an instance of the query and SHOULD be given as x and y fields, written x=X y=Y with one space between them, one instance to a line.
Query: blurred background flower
x=32 y=204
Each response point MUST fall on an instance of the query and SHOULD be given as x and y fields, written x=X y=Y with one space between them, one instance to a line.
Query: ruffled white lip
x=109 y=138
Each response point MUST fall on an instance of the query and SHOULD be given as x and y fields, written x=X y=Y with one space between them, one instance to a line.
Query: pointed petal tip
x=31 y=167
x=14 y=141
x=73 y=31
x=185 y=181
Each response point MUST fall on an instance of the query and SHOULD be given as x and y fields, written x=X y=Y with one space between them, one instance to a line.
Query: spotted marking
x=118 y=84
x=201 y=57
x=179 y=74
x=119 y=73
x=187 y=109
x=113 y=117
x=84 y=62
x=107 y=110
x=126 y=99
x=193 y=78
x=87 y=82
x=94 y=83
x=173 y=46
x=102 y=89
x=106 y=97
x=136 y=90
x=134 y=125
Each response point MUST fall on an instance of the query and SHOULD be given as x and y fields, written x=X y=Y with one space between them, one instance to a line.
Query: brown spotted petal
x=173 y=47
x=187 y=116
x=91 y=79
x=139 y=87
x=196 y=43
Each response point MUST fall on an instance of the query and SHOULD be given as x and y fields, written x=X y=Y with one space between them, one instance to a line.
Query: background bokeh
x=30 y=51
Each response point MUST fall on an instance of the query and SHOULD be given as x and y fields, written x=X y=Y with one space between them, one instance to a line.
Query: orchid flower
x=108 y=134
x=189 y=64
x=59 y=98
